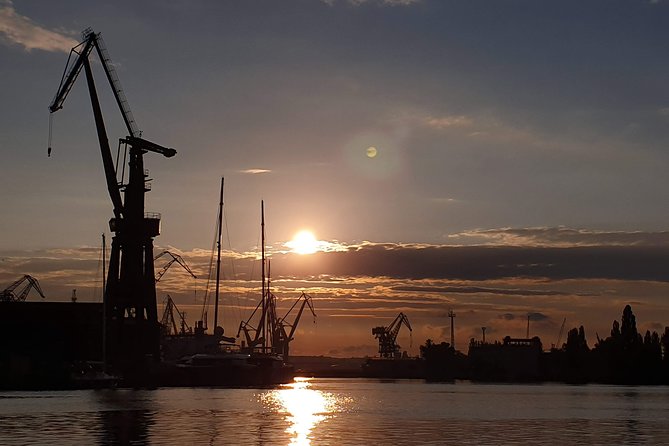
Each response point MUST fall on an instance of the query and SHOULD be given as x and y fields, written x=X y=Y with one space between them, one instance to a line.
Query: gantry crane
x=132 y=328
x=387 y=336
x=175 y=258
x=9 y=294
x=285 y=330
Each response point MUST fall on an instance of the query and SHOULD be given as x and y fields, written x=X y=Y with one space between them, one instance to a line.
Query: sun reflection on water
x=304 y=408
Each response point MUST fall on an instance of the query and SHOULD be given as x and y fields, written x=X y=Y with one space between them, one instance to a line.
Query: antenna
x=451 y=314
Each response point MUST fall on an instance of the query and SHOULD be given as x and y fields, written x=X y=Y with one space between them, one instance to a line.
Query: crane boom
x=175 y=258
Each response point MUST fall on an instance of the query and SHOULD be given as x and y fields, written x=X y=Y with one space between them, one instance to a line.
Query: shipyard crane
x=168 y=322
x=131 y=320
x=286 y=330
x=387 y=336
x=10 y=293
x=175 y=258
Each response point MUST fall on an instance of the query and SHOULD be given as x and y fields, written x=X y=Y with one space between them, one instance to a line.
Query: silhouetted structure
x=515 y=359
x=443 y=362
x=131 y=320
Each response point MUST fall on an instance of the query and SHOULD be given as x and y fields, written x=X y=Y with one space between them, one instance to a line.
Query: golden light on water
x=304 y=408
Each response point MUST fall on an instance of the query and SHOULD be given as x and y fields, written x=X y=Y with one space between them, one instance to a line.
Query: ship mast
x=263 y=322
x=218 y=259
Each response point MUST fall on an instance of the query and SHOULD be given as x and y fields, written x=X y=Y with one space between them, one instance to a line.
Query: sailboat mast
x=104 y=303
x=262 y=237
x=218 y=259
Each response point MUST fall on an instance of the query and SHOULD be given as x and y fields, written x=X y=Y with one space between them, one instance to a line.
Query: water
x=341 y=412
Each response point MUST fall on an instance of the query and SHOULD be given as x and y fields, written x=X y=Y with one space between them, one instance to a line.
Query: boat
x=225 y=363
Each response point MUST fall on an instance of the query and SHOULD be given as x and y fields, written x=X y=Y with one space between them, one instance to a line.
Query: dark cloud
x=477 y=290
x=538 y=317
x=482 y=262
x=507 y=316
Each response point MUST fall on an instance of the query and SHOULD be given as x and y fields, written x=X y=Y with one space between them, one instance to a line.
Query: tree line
x=624 y=357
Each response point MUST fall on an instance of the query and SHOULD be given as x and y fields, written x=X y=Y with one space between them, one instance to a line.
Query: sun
x=304 y=242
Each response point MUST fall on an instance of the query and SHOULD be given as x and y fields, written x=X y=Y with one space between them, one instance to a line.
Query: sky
x=519 y=158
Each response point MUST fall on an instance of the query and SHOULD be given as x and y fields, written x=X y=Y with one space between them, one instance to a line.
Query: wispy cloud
x=444 y=122
x=380 y=2
x=562 y=237
x=17 y=29
x=255 y=171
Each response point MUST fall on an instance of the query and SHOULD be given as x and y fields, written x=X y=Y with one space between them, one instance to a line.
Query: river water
x=341 y=412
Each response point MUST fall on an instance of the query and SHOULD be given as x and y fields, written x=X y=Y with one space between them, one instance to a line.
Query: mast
x=104 y=304
x=218 y=259
x=264 y=303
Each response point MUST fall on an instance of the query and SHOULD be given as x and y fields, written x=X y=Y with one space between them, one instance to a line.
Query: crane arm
x=306 y=301
x=64 y=88
x=143 y=144
x=67 y=81
x=8 y=294
x=35 y=284
x=394 y=328
x=175 y=258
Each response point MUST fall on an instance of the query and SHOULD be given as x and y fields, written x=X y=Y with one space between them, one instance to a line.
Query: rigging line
x=97 y=277
x=232 y=265
x=205 y=302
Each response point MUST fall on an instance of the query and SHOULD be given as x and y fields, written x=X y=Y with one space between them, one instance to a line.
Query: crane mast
x=131 y=321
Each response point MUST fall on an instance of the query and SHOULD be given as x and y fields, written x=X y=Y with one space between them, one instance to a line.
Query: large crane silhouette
x=131 y=320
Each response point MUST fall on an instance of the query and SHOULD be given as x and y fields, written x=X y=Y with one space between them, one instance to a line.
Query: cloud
x=538 y=317
x=380 y=2
x=563 y=237
x=622 y=262
x=20 y=30
x=448 y=122
x=480 y=290
x=255 y=171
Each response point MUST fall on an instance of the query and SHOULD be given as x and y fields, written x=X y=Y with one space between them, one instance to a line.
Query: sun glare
x=304 y=242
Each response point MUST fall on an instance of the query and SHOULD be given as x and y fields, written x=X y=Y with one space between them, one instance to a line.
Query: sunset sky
x=496 y=158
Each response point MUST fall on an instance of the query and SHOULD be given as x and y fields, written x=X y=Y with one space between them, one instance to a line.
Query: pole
x=451 y=314
x=262 y=237
x=218 y=259
x=104 y=305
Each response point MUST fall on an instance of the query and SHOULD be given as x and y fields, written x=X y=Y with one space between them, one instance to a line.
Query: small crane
x=9 y=294
x=283 y=337
x=388 y=348
x=175 y=258
x=168 y=322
